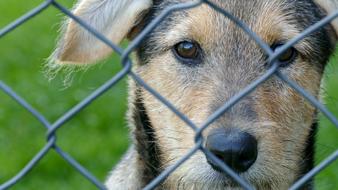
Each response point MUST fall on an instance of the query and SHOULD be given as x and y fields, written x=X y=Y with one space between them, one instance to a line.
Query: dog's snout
x=237 y=149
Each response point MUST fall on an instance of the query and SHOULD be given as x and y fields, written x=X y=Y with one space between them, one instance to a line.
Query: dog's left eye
x=288 y=56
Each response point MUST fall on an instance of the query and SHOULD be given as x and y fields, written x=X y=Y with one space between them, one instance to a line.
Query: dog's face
x=198 y=59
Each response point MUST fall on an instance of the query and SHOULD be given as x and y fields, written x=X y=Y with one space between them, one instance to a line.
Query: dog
x=197 y=59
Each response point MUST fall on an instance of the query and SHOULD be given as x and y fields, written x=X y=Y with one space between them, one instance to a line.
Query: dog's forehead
x=208 y=26
x=262 y=16
x=274 y=21
x=268 y=18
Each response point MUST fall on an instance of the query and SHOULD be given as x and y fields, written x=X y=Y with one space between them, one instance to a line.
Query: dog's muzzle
x=235 y=148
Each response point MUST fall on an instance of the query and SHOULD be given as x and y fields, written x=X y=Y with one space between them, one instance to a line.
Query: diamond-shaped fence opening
x=272 y=71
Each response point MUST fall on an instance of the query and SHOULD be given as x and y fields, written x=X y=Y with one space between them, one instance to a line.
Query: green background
x=97 y=136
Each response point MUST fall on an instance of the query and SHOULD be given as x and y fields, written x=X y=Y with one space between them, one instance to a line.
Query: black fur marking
x=307 y=13
x=145 y=141
x=307 y=162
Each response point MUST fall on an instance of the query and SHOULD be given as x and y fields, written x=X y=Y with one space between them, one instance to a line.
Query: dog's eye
x=287 y=57
x=186 y=50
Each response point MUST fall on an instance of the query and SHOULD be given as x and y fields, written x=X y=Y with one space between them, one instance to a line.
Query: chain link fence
x=51 y=142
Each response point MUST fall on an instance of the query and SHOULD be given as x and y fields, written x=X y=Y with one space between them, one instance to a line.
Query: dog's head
x=198 y=59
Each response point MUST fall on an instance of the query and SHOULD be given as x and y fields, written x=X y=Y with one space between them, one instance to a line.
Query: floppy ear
x=330 y=7
x=112 y=18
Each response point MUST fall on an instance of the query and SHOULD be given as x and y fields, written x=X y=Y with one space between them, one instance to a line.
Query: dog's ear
x=330 y=7
x=112 y=18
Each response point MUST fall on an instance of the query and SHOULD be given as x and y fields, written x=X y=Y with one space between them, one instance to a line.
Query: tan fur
x=273 y=24
x=330 y=6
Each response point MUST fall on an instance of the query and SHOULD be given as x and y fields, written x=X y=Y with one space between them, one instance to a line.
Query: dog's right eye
x=187 y=51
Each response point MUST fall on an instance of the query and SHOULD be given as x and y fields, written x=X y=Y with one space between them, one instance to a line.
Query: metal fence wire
x=51 y=142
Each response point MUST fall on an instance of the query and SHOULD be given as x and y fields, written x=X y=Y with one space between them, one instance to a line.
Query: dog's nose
x=237 y=149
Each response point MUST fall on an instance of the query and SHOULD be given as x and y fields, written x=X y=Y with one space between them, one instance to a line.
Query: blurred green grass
x=97 y=136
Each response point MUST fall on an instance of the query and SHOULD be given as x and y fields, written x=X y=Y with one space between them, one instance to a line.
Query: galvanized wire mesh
x=51 y=142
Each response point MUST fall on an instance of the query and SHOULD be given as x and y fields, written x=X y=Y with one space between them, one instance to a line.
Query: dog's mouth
x=226 y=181
x=219 y=175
